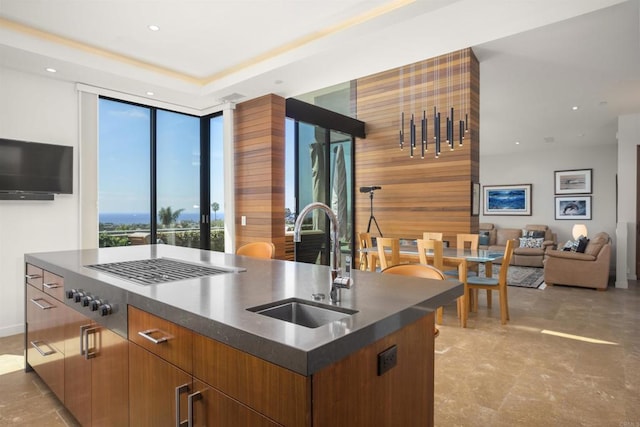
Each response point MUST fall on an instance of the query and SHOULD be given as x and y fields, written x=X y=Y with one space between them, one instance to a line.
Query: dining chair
x=392 y=244
x=419 y=270
x=432 y=235
x=493 y=284
x=368 y=260
x=433 y=246
x=464 y=241
x=265 y=250
x=430 y=253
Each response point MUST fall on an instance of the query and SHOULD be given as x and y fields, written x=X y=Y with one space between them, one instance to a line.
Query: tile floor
x=485 y=375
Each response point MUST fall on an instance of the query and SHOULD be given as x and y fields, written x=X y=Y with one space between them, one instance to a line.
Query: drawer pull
x=35 y=344
x=194 y=397
x=33 y=276
x=44 y=307
x=85 y=336
x=51 y=285
x=147 y=335
x=184 y=388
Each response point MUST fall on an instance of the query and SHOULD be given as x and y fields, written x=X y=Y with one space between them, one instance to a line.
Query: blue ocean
x=143 y=217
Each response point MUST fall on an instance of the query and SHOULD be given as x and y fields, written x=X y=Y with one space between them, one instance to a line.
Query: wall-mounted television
x=32 y=168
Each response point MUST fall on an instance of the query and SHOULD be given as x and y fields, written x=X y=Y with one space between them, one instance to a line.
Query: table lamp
x=579 y=230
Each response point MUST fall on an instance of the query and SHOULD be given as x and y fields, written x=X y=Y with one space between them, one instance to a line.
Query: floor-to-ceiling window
x=216 y=183
x=124 y=154
x=178 y=179
x=153 y=187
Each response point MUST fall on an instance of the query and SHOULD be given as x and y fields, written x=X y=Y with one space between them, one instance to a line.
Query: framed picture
x=573 y=207
x=507 y=199
x=475 y=199
x=573 y=181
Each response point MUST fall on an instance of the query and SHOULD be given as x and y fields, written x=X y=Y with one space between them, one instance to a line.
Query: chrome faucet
x=337 y=281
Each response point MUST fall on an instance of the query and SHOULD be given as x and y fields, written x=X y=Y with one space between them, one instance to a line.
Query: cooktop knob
x=105 y=310
x=95 y=304
x=71 y=293
x=78 y=296
x=86 y=300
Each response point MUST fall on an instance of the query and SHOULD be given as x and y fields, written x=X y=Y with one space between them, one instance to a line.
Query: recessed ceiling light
x=517 y=142
x=51 y=70
x=150 y=93
x=153 y=27
x=575 y=107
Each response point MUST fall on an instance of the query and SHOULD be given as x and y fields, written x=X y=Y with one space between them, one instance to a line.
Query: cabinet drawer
x=53 y=285
x=45 y=318
x=161 y=337
x=45 y=338
x=278 y=393
x=34 y=276
x=213 y=408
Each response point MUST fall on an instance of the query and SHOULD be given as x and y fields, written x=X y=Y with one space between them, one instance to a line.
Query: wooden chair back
x=367 y=260
x=392 y=244
x=469 y=241
x=433 y=246
x=264 y=250
x=431 y=235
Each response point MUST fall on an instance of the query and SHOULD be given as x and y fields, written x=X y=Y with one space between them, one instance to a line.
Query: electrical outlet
x=387 y=359
x=243 y=220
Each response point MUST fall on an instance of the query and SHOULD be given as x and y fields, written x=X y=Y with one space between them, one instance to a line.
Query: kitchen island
x=332 y=374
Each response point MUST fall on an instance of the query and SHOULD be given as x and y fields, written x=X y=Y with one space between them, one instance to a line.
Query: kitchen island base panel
x=351 y=389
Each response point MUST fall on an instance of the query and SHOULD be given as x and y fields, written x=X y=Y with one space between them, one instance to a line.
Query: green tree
x=167 y=216
x=215 y=207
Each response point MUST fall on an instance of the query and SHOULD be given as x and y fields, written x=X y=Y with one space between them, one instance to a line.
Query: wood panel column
x=259 y=171
x=419 y=194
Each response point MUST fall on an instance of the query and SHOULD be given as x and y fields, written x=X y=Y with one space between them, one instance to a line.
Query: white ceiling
x=538 y=58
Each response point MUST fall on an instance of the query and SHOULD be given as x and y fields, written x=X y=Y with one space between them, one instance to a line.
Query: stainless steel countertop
x=217 y=306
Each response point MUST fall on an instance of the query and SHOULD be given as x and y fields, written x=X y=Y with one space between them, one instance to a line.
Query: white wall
x=628 y=141
x=537 y=168
x=36 y=109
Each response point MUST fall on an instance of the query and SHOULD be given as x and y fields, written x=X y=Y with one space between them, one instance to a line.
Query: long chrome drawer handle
x=190 y=399
x=147 y=335
x=184 y=388
x=32 y=276
x=44 y=307
x=35 y=345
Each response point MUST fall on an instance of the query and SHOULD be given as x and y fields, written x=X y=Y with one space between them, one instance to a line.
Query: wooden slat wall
x=259 y=165
x=418 y=194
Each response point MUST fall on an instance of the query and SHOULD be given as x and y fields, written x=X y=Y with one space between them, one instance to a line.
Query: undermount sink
x=303 y=313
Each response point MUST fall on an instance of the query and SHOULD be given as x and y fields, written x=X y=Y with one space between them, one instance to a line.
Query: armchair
x=589 y=269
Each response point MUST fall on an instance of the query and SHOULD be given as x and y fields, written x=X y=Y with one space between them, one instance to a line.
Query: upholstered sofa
x=523 y=256
x=589 y=269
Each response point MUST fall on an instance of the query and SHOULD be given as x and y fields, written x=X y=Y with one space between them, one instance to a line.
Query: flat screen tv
x=31 y=167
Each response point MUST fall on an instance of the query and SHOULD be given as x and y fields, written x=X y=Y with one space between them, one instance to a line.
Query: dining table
x=458 y=257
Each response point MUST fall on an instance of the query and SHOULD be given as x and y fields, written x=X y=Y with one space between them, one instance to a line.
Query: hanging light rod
x=450 y=128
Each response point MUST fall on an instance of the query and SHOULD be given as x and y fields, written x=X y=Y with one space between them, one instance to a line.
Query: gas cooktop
x=159 y=270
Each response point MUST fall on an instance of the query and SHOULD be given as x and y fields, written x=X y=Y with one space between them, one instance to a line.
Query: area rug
x=523 y=277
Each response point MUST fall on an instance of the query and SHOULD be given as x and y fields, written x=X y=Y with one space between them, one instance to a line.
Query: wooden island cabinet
x=84 y=364
x=212 y=350
x=215 y=384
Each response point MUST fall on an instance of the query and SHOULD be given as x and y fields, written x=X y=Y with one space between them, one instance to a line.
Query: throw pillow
x=568 y=246
x=484 y=238
x=537 y=234
x=530 y=242
x=582 y=244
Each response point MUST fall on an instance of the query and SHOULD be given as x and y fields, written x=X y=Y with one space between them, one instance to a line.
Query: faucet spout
x=337 y=282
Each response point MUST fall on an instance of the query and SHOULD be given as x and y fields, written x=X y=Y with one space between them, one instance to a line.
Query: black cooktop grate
x=157 y=270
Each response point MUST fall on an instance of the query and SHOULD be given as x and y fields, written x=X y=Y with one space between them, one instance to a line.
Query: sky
x=124 y=153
